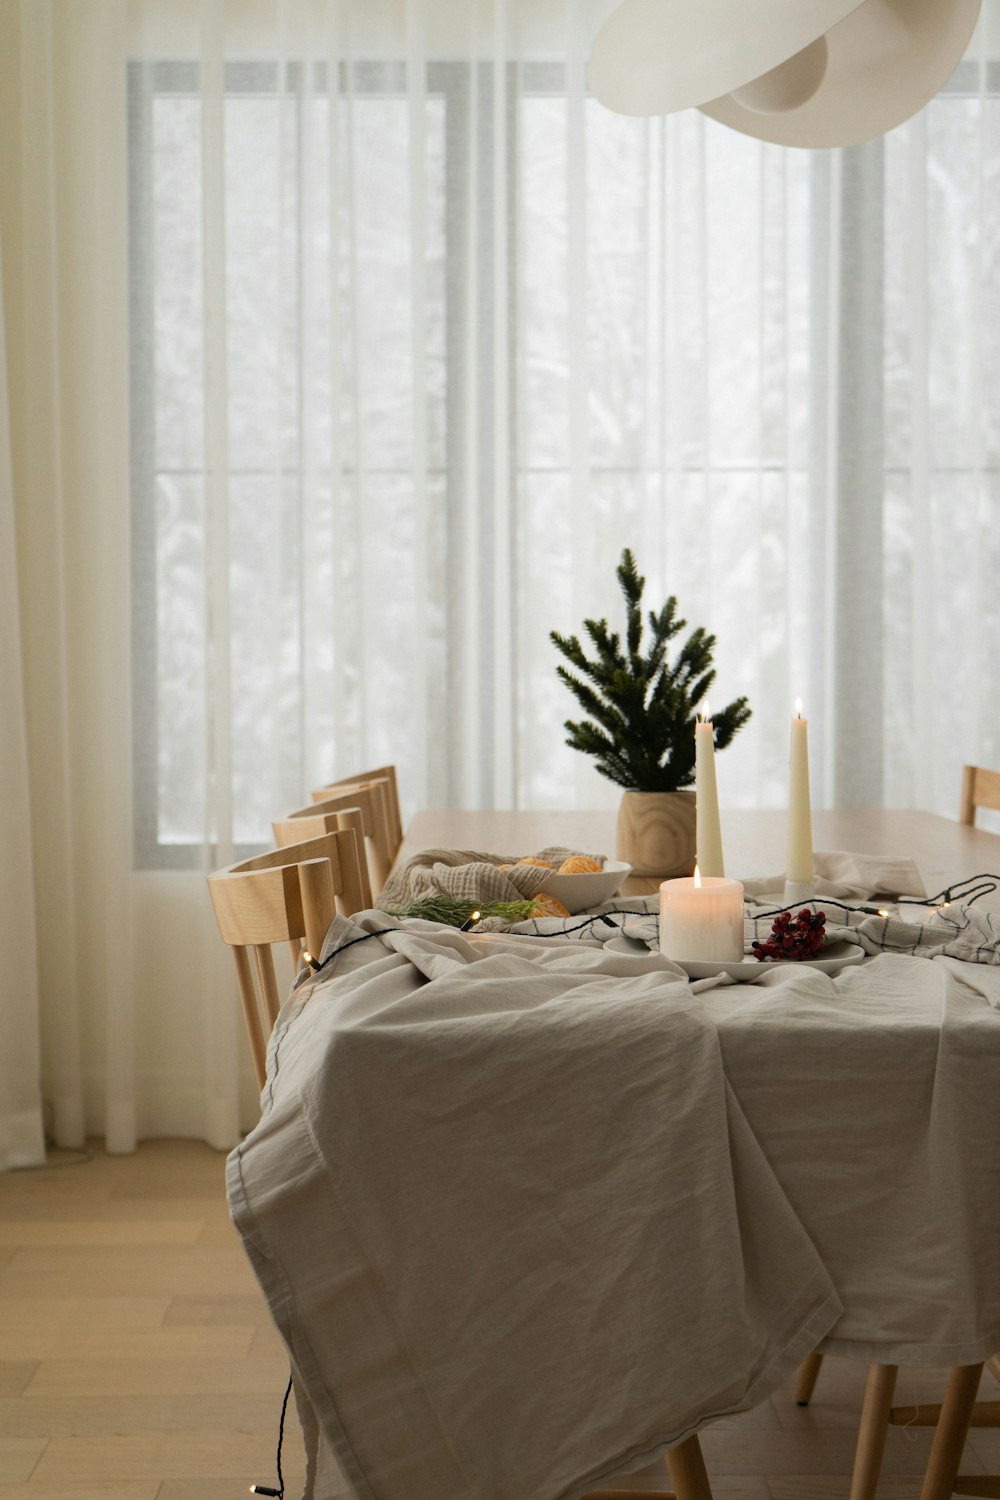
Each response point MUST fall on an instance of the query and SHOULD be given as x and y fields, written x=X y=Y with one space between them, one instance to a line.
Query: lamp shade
x=796 y=72
x=652 y=57
x=885 y=61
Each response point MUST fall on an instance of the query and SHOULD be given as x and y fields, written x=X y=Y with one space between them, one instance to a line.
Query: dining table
x=942 y=849
x=859 y=1194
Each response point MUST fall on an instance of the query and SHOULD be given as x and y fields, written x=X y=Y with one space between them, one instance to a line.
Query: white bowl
x=581 y=892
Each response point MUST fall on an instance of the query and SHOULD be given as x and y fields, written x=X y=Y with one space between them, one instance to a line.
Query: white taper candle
x=708 y=829
x=799 y=867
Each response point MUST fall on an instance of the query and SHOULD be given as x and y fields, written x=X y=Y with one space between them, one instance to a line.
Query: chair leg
x=688 y=1475
x=805 y=1380
x=872 y=1429
x=949 y=1435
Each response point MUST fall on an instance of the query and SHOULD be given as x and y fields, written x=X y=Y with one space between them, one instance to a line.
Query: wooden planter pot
x=656 y=833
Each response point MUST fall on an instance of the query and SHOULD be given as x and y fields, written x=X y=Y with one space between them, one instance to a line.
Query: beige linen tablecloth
x=510 y=1219
x=875 y=1096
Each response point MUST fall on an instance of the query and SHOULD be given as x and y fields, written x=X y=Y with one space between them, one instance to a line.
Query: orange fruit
x=548 y=906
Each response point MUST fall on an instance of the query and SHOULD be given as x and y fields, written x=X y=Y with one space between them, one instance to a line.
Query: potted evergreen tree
x=642 y=710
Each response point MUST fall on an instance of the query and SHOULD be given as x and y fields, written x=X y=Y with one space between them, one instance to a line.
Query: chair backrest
x=362 y=808
x=980 y=788
x=384 y=774
x=289 y=894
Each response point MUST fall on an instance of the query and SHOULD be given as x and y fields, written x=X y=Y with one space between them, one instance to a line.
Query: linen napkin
x=967 y=933
x=845 y=876
x=468 y=875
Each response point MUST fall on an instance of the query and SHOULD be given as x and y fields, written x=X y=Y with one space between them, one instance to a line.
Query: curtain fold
x=349 y=342
x=22 y=1136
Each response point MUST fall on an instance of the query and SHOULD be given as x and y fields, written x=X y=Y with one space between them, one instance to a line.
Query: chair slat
x=386 y=774
x=341 y=811
x=318 y=882
x=267 y=980
x=285 y=895
x=980 y=788
x=251 y=1014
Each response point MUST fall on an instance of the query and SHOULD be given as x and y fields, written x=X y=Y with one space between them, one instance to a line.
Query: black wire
x=265 y=1489
x=957 y=892
x=342 y=947
x=759 y=916
x=601 y=916
x=317 y=967
x=281 y=1438
x=967 y=890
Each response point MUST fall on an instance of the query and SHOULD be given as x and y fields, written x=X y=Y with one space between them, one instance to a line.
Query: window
x=407 y=375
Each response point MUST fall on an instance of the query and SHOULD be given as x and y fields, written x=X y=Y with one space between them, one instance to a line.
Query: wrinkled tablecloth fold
x=511 y=1221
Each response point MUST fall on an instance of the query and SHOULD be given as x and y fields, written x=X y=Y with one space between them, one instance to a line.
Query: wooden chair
x=951 y=1420
x=289 y=894
x=363 y=808
x=980 y=788
x=384 y=775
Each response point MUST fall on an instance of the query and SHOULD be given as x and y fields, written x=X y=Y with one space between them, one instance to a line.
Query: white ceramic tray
x=836 y=956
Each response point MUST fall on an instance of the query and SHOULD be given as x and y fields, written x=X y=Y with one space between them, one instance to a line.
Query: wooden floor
x=137 y=1361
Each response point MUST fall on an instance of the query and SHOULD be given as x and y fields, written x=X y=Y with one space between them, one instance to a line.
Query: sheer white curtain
x=21 y=1125
x=350 y=343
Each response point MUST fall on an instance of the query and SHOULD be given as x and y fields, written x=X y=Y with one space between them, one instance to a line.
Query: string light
x=966 y=891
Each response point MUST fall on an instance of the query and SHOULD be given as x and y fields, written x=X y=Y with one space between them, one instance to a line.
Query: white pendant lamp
x=797 y=72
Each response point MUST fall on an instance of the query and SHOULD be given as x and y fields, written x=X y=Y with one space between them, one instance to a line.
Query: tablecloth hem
x=791 y=1354
x=929 y=1356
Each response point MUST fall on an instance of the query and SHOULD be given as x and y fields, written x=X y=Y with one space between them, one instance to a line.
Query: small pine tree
x=643 y=708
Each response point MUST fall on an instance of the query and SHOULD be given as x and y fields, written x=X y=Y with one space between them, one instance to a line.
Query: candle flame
x=798 y=708
x=706 y=713
x=697 y=878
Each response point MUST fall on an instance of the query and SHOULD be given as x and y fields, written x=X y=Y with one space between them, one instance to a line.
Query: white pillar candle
x=799 y=868
x=708 y=831
x=701 y=920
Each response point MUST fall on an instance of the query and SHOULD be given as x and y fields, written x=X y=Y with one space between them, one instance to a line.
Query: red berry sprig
x=793 y=938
